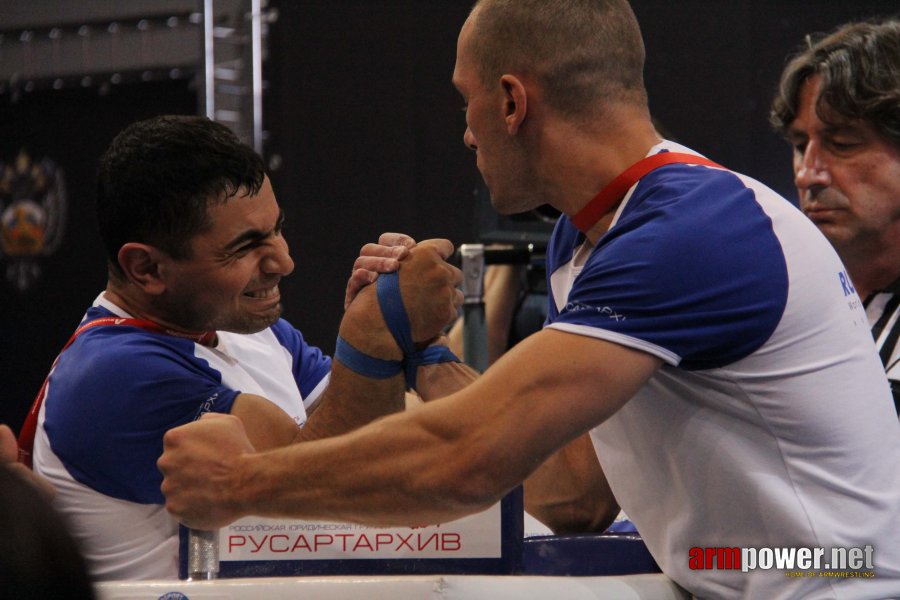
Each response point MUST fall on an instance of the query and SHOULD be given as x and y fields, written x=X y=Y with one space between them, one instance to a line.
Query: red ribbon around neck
x=29 y=429
x=618 y=187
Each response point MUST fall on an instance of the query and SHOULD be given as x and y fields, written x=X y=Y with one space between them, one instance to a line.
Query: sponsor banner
x=257 y=538
x=485 y=543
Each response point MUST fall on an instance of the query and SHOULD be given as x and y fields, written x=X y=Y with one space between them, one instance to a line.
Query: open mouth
x=265 y=294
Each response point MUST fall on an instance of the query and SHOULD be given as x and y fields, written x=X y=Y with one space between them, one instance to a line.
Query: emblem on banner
x=32 y=216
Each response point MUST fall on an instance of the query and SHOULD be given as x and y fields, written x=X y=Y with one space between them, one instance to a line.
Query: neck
x=142 y=308
x=590 y=157
x=875 y=267
x=868 y=278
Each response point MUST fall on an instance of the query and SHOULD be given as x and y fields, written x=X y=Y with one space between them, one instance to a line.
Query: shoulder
x=286 y=334
x=116 y=349
x=293 y=341
x=691 y=264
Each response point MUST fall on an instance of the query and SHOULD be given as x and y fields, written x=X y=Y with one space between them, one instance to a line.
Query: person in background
x=9 y=458
x=838 y=105
x=190 y=323
x=701 y=348
x=39 y=559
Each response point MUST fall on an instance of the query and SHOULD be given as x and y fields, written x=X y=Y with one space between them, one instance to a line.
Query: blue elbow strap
x=390 y=301
x=363 y=364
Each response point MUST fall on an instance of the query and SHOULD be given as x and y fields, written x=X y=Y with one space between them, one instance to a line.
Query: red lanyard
x=29 y=429
x=616 y=189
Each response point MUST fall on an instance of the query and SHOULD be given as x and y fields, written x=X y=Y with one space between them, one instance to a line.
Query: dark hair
x=159 y=176
x=39 y=559
x=584 y=53
x=859 y=66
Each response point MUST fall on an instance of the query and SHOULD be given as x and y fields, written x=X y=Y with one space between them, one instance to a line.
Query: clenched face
x=847 y=176
x=230 y=282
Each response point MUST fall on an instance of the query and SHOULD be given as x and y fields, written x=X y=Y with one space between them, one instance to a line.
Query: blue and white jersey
x=112 y=396
x=770 y=423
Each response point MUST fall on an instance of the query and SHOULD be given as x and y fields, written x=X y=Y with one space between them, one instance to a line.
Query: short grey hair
x=583 y=53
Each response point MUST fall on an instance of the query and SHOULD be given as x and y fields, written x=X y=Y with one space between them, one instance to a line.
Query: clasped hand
x=428 y=284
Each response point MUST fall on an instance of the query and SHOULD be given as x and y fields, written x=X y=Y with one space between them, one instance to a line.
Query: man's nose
x=278 y=260
x=810 y=169
x=469 y=140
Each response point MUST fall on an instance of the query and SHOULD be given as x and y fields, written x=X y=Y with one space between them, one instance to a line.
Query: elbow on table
x=574 y=517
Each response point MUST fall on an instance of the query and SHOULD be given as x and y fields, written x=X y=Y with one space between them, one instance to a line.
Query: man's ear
x=140 y=263
x=515 y=105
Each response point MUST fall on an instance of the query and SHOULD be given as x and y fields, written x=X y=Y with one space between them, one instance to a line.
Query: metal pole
x=257 y=59
x=209 y=59
x=203 y=555
x=475 y=352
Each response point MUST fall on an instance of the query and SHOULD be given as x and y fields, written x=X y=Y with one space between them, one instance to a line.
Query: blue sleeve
x=111 y=399
x=692 y=269
x=310 y=365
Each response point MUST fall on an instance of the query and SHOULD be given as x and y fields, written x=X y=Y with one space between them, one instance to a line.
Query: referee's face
x=847 y=177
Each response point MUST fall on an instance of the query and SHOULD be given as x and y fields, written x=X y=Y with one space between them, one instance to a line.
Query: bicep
x=568 y=381
x=546 y=391
x=267 y=425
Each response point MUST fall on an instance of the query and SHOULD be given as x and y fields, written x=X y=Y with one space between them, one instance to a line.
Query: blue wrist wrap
x=363 y=364
x=390 y=301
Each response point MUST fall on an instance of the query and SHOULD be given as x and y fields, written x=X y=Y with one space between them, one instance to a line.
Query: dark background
x=365 y=135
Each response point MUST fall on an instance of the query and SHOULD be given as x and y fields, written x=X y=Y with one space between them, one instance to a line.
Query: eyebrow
x=830 y=128
x=255 y=235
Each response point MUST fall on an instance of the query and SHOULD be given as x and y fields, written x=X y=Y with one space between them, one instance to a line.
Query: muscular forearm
x=427 y=287
x=441 y=461
x=568 y=492
x=443 y=379
x=413 y=473
x=352 y=400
